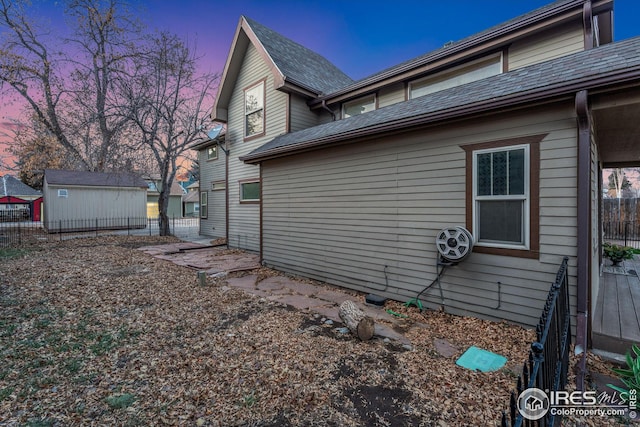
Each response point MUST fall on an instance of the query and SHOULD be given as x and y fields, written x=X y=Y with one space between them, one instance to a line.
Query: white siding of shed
x=91 y=203
x=561 y=41
x=341 y=215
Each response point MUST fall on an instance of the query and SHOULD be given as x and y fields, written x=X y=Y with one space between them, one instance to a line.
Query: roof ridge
x=299 y=64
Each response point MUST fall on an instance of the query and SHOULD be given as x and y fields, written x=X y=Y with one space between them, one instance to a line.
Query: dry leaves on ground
x=93 y=331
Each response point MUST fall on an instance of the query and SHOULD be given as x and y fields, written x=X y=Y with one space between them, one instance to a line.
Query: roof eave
x=499 y=36
x=547 y=94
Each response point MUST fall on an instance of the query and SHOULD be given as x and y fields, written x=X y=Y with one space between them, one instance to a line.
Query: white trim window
x=359 y=106
x=212 y=152
x=203 y=204
x=250 y=191
x=254 y=110
x=501 y=197
x=467 y=73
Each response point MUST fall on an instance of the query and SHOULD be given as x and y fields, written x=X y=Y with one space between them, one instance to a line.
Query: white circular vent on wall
x=454 y=243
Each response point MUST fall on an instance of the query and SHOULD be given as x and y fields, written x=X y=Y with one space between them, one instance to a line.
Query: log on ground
x=356 y=320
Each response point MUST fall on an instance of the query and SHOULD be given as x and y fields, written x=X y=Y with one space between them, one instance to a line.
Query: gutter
x=583 y=243
x=543 y=94
x=570 y=8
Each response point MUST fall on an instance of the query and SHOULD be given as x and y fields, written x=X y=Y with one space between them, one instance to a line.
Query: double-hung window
x=501 y=197
x=254 y=110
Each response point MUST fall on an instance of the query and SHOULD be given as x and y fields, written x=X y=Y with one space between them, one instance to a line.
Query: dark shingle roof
x=93 y=179
x=10 y=186
x=299 y=64
x=583 y=70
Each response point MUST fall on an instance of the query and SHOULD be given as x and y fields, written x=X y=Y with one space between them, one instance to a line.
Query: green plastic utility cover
x=478 y=359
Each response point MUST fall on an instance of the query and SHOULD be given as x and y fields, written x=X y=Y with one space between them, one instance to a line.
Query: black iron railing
x=18 y=232
x=548 y=363
x=625 y=233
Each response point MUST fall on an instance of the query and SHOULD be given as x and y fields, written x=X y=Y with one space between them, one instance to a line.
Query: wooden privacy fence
x=620 y=210
x=621 y=221
x=548 y=363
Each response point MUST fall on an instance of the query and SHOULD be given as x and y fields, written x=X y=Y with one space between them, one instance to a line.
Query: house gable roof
x=491 y=38
x=93 y=179
x=295 y=68
x=603 y=67
x=10 y=186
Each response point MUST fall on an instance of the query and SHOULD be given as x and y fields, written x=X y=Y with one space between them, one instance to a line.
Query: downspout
x=587 y=22
x=583 y=215
x=325 y=107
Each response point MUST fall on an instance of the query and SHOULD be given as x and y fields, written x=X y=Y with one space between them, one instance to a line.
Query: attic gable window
x=254 y=110
x=467 y=73
x=359 y=106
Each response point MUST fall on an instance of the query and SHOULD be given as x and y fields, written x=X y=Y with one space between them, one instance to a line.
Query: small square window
x=212 y=152
x=63 y=193
x=249 y=191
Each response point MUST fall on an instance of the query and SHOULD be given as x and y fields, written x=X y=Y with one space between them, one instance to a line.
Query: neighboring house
x=191 y=201
x=174 y=210
x=18 y=200
x=504 y=133
x=76 y=200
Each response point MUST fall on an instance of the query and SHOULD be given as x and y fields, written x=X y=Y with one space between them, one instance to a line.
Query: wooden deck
x=616 y=320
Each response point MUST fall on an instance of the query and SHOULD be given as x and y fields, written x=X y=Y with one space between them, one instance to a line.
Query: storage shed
x=81 y=200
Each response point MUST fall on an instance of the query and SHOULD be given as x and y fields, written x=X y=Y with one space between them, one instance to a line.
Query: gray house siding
x=301 y=117
x=560 y=41
x=342 y=214
x=213 y=171
x=244 y=219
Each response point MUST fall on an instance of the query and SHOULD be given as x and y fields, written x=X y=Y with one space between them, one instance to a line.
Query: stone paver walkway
x=305 y=296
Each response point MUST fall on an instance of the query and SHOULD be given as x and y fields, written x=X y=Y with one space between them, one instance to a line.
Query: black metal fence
x=625 y=233
x=15 y=233
x=548 y=363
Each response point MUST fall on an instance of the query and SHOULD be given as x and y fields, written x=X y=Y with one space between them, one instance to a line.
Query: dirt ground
x=95 y=332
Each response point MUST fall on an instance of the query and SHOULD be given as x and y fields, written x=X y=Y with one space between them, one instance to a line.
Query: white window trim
x=63 y=192
x=205 y=205
x=526 y=220
x=360 y=100
x=451 y=70
x=247 y=113
x=250 y=181
x=215 y=148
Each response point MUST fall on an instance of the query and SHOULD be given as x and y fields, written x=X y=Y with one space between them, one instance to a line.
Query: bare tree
x=167 y=99
x=68 y=84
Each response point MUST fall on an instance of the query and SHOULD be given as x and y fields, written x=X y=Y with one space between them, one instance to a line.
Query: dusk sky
x=359 y=37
